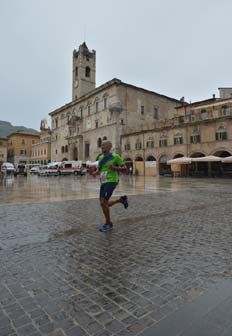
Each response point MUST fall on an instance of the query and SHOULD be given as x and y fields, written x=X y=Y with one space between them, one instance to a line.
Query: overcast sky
x=173 y=47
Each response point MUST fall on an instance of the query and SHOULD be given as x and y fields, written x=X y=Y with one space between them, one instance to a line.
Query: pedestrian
x=109 y=165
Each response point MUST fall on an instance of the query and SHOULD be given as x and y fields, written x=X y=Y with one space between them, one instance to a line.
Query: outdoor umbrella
x=227 y=159
x=210 y=158
x=180 y=160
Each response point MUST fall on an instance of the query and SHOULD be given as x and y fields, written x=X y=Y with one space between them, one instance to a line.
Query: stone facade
x=106 y=112
x=20 y=147
x=3 y=149
x=41 y=151
x=198 y=129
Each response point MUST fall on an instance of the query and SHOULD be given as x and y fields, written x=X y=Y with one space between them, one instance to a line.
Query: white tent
x=180 y=160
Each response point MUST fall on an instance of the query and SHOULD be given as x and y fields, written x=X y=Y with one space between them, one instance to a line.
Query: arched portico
x=139 y=166
x=150 y=166
x=129 y=164
x=164 y=168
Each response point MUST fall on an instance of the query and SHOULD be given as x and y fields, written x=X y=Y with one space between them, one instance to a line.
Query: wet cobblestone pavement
x=60 y=276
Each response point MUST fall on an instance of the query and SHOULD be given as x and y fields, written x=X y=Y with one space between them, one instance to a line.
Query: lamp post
x=143 y=156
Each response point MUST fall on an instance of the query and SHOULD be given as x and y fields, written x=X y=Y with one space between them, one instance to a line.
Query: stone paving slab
x=60 y=276
x=210 y=314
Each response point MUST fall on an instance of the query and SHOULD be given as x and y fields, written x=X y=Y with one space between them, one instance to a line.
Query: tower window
x=87 y=72
x=76 y=72
x=97 y=106
x=142 y=109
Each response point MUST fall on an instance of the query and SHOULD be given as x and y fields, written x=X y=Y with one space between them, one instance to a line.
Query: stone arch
x=221 y=153
x=197 y=154
x=138 y=158
x=150 y=158
x=178 y=155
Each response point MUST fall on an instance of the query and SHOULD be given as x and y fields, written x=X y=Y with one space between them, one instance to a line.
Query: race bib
x=103 y=176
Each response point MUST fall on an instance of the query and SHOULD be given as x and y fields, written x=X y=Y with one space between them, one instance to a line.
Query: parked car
x=35 y=170
x=8 y=168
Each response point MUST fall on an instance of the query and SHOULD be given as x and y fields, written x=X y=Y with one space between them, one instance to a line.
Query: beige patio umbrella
x=227 y=159
x=180 y=160
x=209 y=158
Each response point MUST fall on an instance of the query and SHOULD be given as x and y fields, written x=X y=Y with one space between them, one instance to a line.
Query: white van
x=71 y=167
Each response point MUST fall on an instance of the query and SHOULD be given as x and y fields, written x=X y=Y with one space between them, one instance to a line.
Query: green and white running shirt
x=107 y=174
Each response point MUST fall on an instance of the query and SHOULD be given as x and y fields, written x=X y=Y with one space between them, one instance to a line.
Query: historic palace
x=146 y=127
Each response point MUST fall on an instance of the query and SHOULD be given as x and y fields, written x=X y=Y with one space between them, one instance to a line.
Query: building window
x=105 y=102
x=155 y=112
x=104 y=138
x=142 y=109
x=204 y=114
x=66 y=149
x=97 y=106
x=23 y=142
x=195 y=138
x=62 y=149
x=225 y=110
x=163 y=142
x=150 y=143
x=76 y=72
x=191 y=115
x=138 y=145
x=221 y=135
x=122 y=121
x=87 y=71
x=88 y=108
x=81 y=112
x=96 y=124
x=87 y=150
x=178 y=140
x=127 y=147
x=33 y=142
x=99 y=142
x=56 y=123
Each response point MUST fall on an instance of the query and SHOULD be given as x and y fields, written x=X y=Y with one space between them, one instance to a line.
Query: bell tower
x=83 y=72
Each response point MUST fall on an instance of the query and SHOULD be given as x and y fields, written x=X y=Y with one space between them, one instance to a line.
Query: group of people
x=109 y=165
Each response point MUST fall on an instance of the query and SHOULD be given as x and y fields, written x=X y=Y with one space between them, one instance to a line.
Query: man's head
x=106 y=146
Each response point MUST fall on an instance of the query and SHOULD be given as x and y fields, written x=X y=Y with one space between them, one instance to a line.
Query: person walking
x=109 y=165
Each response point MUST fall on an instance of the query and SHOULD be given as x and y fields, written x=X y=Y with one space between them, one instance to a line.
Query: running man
x=109 y=165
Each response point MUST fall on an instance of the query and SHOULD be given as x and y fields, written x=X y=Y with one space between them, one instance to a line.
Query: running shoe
x=125 y=201
x=106 y=227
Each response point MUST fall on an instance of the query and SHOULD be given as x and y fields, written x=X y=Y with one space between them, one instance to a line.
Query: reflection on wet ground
x=22 y=189
x=60 y=276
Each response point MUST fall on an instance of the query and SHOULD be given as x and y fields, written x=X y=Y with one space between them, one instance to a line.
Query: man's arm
x=118 y=168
